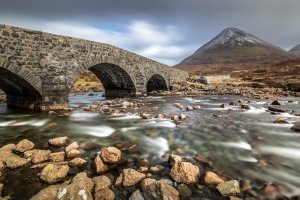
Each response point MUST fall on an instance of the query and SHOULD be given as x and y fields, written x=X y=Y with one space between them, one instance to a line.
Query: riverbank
x=65 y=168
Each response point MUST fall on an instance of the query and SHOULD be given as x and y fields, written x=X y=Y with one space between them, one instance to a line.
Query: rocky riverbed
x=63 y=168
x=66 y=174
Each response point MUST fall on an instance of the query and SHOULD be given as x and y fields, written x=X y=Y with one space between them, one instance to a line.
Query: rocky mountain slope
x=295 y=51
x=233 y=46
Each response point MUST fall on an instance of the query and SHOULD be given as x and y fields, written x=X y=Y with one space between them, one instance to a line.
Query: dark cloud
x=197 y=21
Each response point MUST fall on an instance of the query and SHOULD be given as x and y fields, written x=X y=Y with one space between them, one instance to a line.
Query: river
x=241 y=144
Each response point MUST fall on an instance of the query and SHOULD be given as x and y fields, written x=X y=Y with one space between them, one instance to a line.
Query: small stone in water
x=53 y=173
x=229 y=188
x=281 y=121
x=189 y=108
x=72 y=146
x=57 y=157
x=73 y=153
x=100 y=166
x=182 y=116
x=184 y=191
x=110 y=154
x=77 y=162
x=88 y=145
x=58 y=142
x=24 y=145
x=211 y=178
x=130 y=177
x=197 y=107
x=104 y=194
x=296 y=126
x=184 y=172
x=102 y=182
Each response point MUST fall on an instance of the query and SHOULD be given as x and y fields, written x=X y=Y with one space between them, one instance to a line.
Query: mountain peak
x=230 y=38
x=236 y=46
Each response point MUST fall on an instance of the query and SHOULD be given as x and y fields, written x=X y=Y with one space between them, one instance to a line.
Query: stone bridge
x=37 y=69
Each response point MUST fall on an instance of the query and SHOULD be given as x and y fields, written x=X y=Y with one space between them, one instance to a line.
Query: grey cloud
x=275 y=21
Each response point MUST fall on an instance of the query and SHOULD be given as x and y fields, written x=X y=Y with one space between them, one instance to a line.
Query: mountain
x=295 y=51
x=233 y=46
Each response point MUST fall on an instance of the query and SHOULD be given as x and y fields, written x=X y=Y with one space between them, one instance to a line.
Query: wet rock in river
x=13 y=162
x=137 y=195
x=178 y=105
x=158 y=190
x=184 y=172
x=271 y=191
x=57 y=157
x=53 y=173
x=182 y=117
x=102 y=182
x=10 y=160
x=184 y=191
x=229 y=188
x=89 y=145
x=77 y=162
x=160 y=116
x=59 y=142
x=224 y=105
x=72 y=146
x=146 y=115
x=1 y=188
x=197 y=107
x=129 y=177
x=245 y=107
x=276 y=102
x=80 y=188
x=276 y=108
x=24 y=145
x=110 y=154
x=100 y=166
x=174 y=159
x=210 y=178
x=73 y=153
x=2 y=165
x=296 y=114
x=203 y=160
x=189 y=108
x=175 y=118
x=281 y=121
x=37 y=156
x=104 y=194
x=49 y=193
x=296 y=126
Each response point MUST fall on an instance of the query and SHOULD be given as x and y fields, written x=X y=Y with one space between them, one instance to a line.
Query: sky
x=163 y=30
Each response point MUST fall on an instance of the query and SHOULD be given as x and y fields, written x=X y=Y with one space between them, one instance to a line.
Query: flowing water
x=242 y=144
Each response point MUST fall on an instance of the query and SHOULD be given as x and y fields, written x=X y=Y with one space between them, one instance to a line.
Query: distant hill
x=233 y=46
x=295 y=51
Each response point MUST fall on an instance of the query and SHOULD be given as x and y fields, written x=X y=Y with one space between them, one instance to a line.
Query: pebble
x=110 y=154
x=229 y=188
x=58 y=142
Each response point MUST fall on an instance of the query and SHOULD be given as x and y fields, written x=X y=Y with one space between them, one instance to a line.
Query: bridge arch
x=156 y=83
x=115 y=80
x=22 y=88
x=116 y=77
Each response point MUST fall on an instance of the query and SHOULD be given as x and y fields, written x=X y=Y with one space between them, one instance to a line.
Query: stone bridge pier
x=37 y=69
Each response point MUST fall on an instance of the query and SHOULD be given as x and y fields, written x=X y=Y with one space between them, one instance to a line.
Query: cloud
x=158 y=28
x=161 y=43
